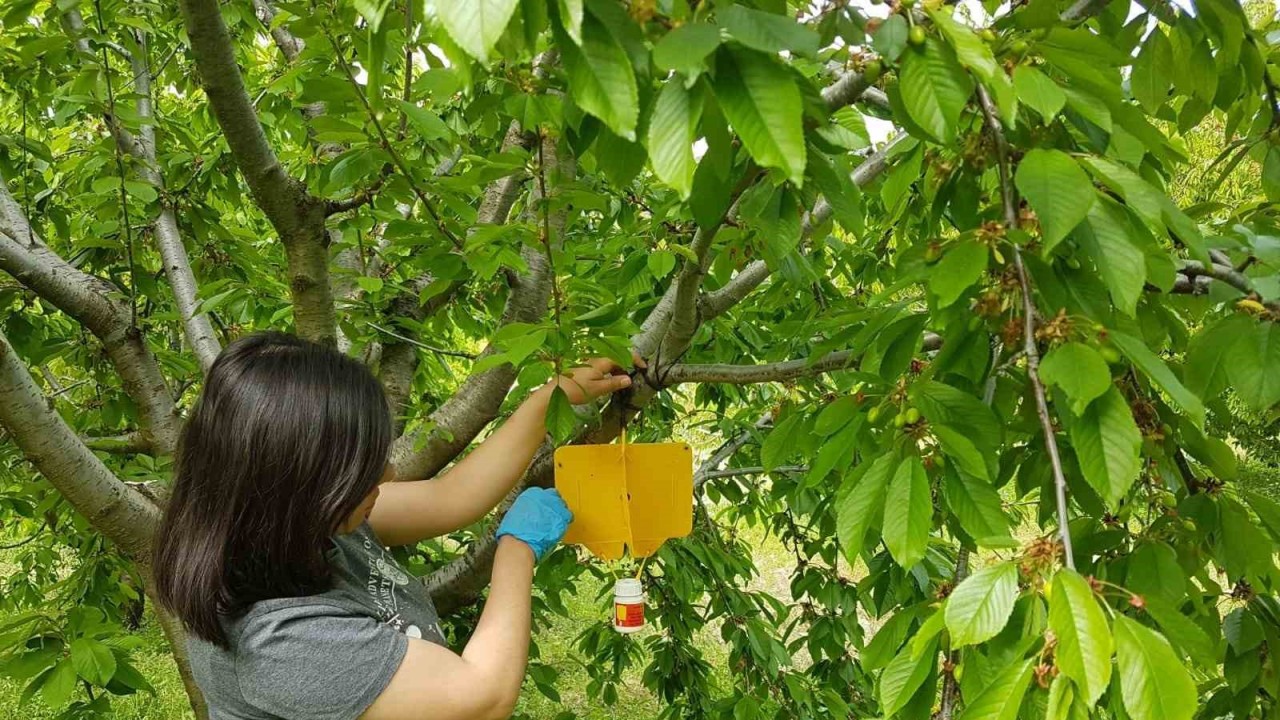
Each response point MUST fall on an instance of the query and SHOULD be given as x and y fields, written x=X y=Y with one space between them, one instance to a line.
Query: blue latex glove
x=538 y=518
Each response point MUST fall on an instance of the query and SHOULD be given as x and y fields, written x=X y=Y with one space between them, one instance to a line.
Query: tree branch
x=289 y=45
x=1009 y=199
x=97 y=305
x=476 y=403
x=132 y=442
x=754 y=274
x=296 y=216
x=120 y=513
x=173 y=252
x=773 y=372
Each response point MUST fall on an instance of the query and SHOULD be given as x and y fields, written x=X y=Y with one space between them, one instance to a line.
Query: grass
x=556 y=641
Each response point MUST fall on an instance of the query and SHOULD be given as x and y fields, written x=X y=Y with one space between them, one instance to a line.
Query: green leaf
x=369 y=284
x=1106 y=238
x=781 y=441
x=768 y=32
x=1244 y=550
x=1149 y=81
x=1183 y=633
x=1154 y=683
x=685 y=49
x=1002 y=697
x=1107 y=441
x=762 y=103
x=601 y=79
x=571 y=18
x=903 y=675
x=957 y=446
x=978 y=507
x=975 y=54
x=1211 y=354
x=979 y=607
x=59 y=684
x=836 y=185
x=127 y=680
x=890 y=39
x=476 y=25
x=1252 y=369
x=934 y=89
x=1063 y=702
x=908 y=513
x=960 y=267
x=672 y=130
x=144 y=191
x=428 y=124
x=1084 y=639
x=1079 y=370
x=93 y=661
x=561 y=421
x=1271 y=174
x=942 y=404
x=1153 y=206
x=861 y=504
x=1160 y=374
x=1038 y=91
x=373 y=11
x=1058 y=190
x=1153 y=571
x=1268 y=512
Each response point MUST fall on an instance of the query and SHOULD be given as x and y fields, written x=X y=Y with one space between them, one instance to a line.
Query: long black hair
x=285 y=441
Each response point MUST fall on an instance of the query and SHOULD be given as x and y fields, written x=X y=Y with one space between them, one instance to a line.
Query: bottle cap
x=627 y=586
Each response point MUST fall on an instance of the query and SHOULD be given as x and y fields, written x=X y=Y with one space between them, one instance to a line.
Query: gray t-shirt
x=321 y=657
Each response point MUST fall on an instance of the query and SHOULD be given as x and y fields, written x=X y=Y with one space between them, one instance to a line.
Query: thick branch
x=399 y=359
x=289 y=45
x=1010 y=201
x=456 y=423
x=850 y=88
x=296 y=216
x=751 y=276
x=177 y=264
x=121 y=514
x=97 y=305
x=133 y=442
x=773 y=372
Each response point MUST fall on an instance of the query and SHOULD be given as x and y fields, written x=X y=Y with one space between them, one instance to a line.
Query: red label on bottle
x=628 y=615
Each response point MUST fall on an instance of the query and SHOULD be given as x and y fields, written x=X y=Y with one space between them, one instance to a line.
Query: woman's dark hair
x=286 y=440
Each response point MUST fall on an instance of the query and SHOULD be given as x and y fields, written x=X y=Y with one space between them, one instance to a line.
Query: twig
x=408 y=67
x=1029 y=325
x=757 y=470
x=24 y=541
x=360 y=199
x=420 y=344
x=119 y=154
x=545 y=203
x=386 y=141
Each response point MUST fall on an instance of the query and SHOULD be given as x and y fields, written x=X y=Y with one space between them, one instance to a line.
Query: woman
x=272 y=554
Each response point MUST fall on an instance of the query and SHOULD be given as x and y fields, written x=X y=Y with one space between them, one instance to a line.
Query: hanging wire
x=124 y=195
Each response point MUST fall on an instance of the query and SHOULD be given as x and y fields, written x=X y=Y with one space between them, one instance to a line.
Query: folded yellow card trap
x=633 y=496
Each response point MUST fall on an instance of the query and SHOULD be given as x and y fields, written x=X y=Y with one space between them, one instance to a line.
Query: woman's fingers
x=604 y=366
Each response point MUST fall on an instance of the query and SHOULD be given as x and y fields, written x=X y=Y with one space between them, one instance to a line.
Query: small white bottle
x=628 y=606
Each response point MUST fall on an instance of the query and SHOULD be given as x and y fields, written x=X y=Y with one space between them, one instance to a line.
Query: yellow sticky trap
x=632 y=496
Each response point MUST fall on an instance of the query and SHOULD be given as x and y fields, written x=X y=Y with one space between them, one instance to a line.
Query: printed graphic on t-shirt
x=381 y=585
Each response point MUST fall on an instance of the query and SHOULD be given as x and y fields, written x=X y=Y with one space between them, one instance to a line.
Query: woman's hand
x=599 y=377
x=538 y=518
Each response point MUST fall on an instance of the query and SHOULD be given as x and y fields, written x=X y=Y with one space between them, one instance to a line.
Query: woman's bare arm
x=407 y=512
x=483 y=682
